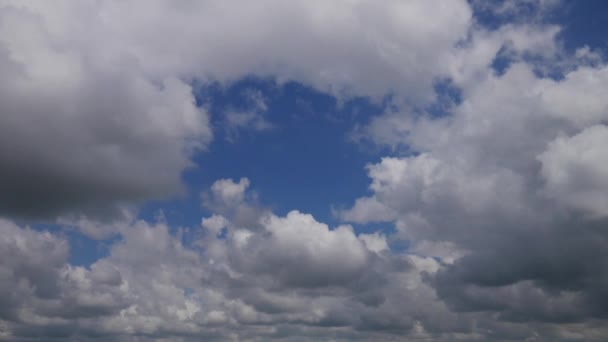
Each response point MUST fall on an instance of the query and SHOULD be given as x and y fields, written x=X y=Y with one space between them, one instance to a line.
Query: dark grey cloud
x=90 y=138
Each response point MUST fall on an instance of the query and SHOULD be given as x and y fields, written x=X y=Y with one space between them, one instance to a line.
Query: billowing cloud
x=98 y=107
x=278 y=277
x=498 y=204
x=84 y=128
x=575 y=170
x=507 y=188
x=292 y=272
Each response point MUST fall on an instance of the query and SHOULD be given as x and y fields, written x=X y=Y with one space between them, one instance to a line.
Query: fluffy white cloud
x=215 y=223
x=303 y=252
x=295 y=272
x=575 y=170
x=84 y=128
x=311 y=41
x=577 y=98
x=375 y=242
x=229 y=193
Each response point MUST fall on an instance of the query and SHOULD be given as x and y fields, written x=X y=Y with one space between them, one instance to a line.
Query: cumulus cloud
x=288 y=276
x=575 y=170
x=507 y=190
x=90 y=86
x=501 y=202
x=40 y=289
x=303 y=252
x=84 y=128
x=295 y=273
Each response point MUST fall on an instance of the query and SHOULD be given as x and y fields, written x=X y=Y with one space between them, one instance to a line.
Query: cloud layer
x=501 y=200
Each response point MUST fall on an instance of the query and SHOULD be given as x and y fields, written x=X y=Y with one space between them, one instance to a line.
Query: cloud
x=229 y=193
x=294 y=276
x=302 y=252
x=509 y=184
x=251 y=119
x=513 y=8
x=83 y=131
x=40 y=288
x=574 y=170
x=501 y=201
x=294 y=273
x=92 y=86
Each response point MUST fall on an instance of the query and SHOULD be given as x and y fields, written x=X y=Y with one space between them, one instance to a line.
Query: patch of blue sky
x=583 y=23
x=492 y=14
x=307 y=161
x=448 y=96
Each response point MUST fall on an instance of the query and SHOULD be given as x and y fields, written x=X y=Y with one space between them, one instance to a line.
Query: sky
x=349 y=170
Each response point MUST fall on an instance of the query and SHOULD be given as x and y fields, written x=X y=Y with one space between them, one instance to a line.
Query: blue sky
x=339 y=171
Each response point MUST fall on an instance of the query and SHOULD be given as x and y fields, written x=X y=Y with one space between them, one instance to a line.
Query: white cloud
x=214 y=223
x=290 y=271
x=252 y=119
x=374 y=242
x=575 y=170
x=496 y=188
x=228 y=192
x=577 y=98
x=305 y=252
